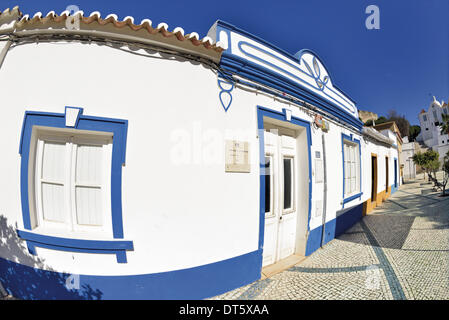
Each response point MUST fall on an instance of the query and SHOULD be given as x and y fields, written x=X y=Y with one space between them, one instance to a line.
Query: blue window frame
x=352 y=140
x=73 y=118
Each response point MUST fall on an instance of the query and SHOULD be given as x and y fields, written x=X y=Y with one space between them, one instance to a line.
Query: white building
x=408 y=151
x=430 y=123
x=143 y=163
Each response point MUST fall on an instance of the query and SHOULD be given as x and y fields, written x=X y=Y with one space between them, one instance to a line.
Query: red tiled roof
x=94 y=22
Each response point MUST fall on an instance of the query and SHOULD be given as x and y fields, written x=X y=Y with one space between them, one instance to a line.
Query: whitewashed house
x=430 y=122
x=143 y=163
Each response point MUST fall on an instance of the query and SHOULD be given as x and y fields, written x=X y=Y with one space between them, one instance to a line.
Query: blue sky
x=397 y=67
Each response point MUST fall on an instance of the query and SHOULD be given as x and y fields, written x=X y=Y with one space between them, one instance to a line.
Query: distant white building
x=430 y=123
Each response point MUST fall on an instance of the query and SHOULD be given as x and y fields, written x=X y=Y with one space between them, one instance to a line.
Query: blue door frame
x=282 y=116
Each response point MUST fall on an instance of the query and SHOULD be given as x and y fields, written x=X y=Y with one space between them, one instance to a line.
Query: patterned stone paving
x=400 y=251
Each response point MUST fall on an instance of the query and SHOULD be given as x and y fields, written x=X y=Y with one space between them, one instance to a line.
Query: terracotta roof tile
x=94 y=21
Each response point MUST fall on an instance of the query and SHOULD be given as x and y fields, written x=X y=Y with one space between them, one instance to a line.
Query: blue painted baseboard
x=393 y=189
x=314 y=240
x=194 y=283
x=333 y=228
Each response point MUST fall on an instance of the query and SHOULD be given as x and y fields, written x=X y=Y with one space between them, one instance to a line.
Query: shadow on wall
x=26 y=282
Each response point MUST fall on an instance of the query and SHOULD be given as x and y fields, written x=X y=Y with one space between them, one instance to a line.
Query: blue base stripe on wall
x=194 y=283
x=333 y=228
x=393 y=189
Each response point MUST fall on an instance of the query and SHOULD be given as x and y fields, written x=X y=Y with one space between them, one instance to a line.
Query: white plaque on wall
x=319 y=171
x=237 y=156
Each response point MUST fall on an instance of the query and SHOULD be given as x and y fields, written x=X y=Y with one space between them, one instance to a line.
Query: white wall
x=178 y=216
x=180 y=208
x=381 y=151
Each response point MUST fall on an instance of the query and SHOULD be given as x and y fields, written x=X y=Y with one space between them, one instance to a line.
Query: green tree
x=401 y=122
x=380 y=120
x=445 y=125
x=428 y=161
x=413 y=133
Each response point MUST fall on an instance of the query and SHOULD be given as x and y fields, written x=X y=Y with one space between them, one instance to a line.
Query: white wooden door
x=280 y=197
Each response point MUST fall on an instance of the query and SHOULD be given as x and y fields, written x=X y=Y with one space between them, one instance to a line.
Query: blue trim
x=393 y=189
x=334 y=228
x=76 y=245
x=265 y=112
x=227 y=27
x=350 y=138
x=314 y=239
x=311 y=74
x=119 y=129
x=225 y=91
x=349 y=199
x=260 y=74
x=200 y=282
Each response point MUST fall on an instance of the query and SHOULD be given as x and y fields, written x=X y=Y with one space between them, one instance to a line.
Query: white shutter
x=53 y=200
x=52 y=180
x=88 y=185
x=72 y=182
x=352 y=169
x=88 y=206
x=357 y=168
x=347 y=173
x=353 y=172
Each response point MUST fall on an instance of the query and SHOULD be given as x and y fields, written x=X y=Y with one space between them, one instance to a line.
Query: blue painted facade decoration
x=193 y=283
x=345 y=219
x=225 y=92
x=119 y=129
x=249 y=65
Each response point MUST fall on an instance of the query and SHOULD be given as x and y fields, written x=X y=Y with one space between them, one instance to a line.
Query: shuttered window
x=72 y=182
x=351 y=168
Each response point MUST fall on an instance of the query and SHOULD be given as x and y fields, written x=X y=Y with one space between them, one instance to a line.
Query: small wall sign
x=237 y=156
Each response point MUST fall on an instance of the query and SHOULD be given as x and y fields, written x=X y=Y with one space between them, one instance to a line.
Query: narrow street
x=399 y=251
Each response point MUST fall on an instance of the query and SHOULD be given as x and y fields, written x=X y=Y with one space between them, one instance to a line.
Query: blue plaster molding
x=117 y=127
x=227 y=27
x=265 y=112
x=226 y=92
x=260 y=74
x=76 y=245
x=311 y=73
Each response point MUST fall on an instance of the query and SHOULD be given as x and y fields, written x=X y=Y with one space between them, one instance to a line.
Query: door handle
x=280 y=218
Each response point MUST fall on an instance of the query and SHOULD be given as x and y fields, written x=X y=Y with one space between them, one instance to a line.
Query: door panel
x=280 y=218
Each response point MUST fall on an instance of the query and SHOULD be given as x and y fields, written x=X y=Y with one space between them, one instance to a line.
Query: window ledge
x=353 y=197
x=117 y=247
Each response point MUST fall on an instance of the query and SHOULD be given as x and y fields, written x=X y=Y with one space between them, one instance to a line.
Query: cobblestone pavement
x=399 y=251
